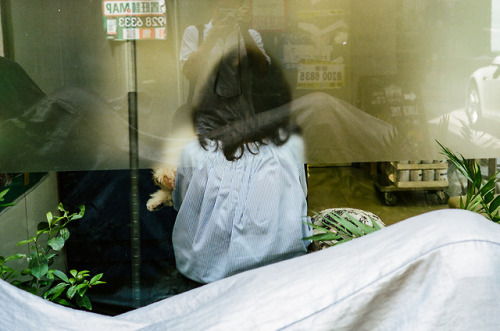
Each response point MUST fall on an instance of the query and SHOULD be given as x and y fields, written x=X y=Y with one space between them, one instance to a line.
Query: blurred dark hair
x=224 y=112
x=235 y=134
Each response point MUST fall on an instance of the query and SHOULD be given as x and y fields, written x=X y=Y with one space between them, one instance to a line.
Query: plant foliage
x=2 y=196
x=37 y=276
x=341 y=228
x=480 y=195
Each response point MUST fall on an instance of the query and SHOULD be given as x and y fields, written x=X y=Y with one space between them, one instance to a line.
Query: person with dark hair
x=240 y=190
x=240 y=196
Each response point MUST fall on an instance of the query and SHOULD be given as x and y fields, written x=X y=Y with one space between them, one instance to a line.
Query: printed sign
x=316 y=46
x=135 y=19
x=320 y=76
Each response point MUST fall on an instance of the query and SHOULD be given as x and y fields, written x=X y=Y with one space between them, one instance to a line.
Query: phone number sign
x=320 y=76
x=135 y=20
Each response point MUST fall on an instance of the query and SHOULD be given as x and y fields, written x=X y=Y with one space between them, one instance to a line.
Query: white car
x=483 y=92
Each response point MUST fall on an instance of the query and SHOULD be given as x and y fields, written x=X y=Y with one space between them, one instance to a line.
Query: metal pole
x=134 y=180
x=7 y=33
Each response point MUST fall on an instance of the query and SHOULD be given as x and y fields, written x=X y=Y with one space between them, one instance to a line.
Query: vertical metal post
x=134 y=180
x=7 y=33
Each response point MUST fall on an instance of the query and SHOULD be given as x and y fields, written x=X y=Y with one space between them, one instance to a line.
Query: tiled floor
x=352 y=186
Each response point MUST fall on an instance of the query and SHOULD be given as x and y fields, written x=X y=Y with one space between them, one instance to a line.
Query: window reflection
x=371 y=86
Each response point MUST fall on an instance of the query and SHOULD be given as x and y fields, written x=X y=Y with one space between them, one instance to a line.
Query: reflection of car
x=483 y=92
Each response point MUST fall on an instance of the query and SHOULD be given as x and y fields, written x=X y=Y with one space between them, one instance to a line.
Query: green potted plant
x=37 y=275
x=480 y=196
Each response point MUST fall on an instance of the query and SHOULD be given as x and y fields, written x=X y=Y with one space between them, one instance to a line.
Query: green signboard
x=135 y=19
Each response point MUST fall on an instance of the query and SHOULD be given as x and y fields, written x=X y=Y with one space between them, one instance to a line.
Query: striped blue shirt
x=238 y=215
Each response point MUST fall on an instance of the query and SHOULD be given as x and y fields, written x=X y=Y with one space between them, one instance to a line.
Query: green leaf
x=478 y=177
x=73 y=272
x=494 y=205
x=94 y=279
x=56 y=291
x=3 y=193
x=366 y=229
x=488 y=197
x=44 y=283
x=351 y=227
x=344 y=225
x=82 y=288
x=64 y=233
x=61 y=275
x=84 y=302
x=76 y=216
x=488 y=187
x=26 y=271
x=40 y=270
x=375 y=225
x=63 y=302
x=50 y=218
x=7 y=204
x=323 y=237
x=71 y=292
x=15 y=257
x=24 y=242
x=48 y=257
x=460 y=164
x=82 y=211
x=473 y=203
x=83 y=273
x=56 y=243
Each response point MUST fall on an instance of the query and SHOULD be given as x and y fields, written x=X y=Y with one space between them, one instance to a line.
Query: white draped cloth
x=436 y=271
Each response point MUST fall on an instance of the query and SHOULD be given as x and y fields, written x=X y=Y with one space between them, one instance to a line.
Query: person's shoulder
x=191 y=29
x=254 y=32
x=294 y=148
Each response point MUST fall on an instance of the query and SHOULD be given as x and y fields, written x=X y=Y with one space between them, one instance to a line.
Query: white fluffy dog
x=165 y=179
x=164 y=176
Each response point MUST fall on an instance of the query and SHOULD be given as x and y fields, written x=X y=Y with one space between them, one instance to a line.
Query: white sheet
x=437 y=271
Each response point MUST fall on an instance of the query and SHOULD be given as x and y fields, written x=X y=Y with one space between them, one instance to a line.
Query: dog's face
x=165 y=178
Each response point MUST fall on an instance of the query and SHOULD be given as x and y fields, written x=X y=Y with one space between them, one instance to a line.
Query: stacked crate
x=426 y=174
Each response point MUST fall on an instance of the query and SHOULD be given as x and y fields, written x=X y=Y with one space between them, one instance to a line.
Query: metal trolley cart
x=404 y=176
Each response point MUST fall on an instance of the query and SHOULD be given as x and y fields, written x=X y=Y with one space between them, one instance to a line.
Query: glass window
x=96 y=95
